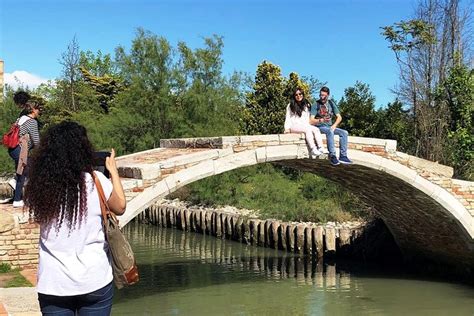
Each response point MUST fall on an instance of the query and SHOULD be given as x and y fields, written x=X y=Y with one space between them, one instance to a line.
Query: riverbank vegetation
x=152 y=90
x=278 y=193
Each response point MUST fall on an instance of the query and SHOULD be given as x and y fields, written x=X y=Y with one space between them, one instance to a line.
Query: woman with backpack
x=28 y=138
x=297 y=121
x=74 y=269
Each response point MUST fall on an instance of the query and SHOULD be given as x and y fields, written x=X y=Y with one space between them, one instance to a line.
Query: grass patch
x=277 y=192
x=12 y=277
x=18 y=280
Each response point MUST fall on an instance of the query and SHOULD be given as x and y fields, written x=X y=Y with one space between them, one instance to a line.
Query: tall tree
x=396 y=122
x=424 y=48
x=265 y=105
x=149 y=102
x=205 y=95
x=98 y=64
x=70 y=62
x=294 y=82
x=358 y=110
x=458 y=93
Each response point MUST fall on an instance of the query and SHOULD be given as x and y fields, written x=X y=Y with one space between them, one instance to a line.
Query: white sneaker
x=18 y=203
x=324 y=151
x=315 y=153
x=12 y=183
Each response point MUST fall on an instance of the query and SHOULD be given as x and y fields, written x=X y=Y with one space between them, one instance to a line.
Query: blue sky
x=334 y=41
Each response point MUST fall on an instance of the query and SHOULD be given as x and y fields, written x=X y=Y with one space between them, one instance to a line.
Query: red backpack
x=12 y=138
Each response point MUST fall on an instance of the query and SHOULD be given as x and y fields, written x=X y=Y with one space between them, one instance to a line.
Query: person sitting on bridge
x=297 y=121
x=322 y=116
x=74 y=270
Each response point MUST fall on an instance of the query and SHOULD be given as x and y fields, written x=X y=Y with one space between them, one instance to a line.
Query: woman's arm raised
x=117 y=201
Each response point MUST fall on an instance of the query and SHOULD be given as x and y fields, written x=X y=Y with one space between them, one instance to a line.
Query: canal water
x=191 y=274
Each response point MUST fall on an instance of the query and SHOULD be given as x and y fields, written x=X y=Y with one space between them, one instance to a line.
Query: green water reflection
x=192 y=274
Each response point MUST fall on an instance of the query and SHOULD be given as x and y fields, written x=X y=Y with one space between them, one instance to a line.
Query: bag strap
x=104 y=207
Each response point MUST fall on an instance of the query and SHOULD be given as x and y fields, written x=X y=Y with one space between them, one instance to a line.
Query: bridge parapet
x=239 y=143
x=176 y=154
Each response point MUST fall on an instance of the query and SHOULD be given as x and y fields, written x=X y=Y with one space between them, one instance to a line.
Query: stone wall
x=18 y=239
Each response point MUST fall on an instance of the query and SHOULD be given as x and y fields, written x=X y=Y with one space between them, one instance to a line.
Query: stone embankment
x=245 y=227
x=18 y=235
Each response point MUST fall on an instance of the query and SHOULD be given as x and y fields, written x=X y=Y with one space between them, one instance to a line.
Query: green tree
x=99 y=75
x=295 y=82
x=211 y=103
x=425 y=49
x=147 y=71
x=265 y=106
x=98 y=64
x=396 y=122
x=106 y=87
x=458 y=92
x=70 y=62
x=357 y=108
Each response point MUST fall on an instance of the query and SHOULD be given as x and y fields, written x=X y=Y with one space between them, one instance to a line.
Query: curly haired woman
x=297 y=121
x=74 y=272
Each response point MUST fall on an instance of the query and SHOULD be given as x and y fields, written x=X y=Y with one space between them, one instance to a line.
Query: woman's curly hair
x=56 y=188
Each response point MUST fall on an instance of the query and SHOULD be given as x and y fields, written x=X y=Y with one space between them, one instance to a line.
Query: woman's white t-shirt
x=292 y=119
x=74 y=262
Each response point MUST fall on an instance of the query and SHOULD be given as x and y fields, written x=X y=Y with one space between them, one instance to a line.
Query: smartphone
x=99 y=162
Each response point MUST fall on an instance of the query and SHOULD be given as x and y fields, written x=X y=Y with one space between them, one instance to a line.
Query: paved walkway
x=20 y=300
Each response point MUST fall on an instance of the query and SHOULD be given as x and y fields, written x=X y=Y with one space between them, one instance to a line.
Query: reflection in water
x=192 y=274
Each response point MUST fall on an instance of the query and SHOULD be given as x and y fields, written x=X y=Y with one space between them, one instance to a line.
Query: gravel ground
x=20 y=300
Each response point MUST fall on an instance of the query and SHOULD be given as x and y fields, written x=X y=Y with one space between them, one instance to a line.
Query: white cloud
x=21 y=78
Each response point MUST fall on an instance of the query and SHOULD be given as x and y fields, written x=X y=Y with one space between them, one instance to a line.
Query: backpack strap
x=331 y=107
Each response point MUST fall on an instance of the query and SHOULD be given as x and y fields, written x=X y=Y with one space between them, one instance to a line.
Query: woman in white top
x=297 y=121
x=74 y=271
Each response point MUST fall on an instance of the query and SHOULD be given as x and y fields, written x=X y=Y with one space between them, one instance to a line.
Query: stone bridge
x=429 y=213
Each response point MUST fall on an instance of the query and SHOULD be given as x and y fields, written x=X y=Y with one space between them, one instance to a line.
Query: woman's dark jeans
x=20 y=178
x=97 y=303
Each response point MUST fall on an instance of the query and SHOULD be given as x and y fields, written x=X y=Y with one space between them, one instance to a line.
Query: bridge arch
x=428 y=212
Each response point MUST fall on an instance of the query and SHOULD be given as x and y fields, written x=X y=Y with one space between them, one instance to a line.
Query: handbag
x=124 y=267
x=11 y=139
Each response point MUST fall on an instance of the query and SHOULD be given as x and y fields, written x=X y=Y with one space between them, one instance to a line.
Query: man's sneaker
x=12 y=183
x=345 y=160
x=18 y=203
x=314 y=153
x=333 y=160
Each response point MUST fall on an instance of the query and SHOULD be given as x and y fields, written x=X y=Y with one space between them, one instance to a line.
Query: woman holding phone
x=74 y=271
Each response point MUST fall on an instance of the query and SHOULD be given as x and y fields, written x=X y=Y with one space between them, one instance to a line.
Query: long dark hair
x=298 y=107
x=56 y=189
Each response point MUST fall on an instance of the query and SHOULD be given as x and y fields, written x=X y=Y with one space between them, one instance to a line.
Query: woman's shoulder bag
x=124 y=267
